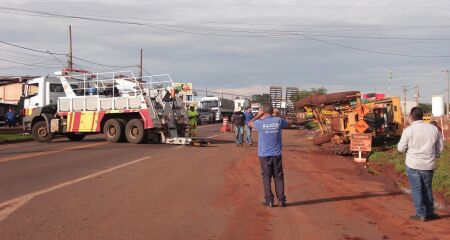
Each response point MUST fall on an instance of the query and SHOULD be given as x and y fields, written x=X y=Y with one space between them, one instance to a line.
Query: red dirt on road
x=212 y=192
x=329 y=197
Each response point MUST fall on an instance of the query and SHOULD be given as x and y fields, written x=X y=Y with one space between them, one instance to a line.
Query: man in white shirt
x=422 y=143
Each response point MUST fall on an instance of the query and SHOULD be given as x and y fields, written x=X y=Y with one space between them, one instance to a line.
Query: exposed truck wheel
x=113 y=130
x=41 y=133
x=322 y=139
x=342 y=149
x=135 y=132
x=75 y=137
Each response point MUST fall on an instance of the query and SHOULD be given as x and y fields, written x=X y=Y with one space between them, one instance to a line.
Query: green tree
x=313 y=91
x=261 y=98
x=426 y=107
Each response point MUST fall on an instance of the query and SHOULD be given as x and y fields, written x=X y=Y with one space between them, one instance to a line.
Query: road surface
x=99 y=190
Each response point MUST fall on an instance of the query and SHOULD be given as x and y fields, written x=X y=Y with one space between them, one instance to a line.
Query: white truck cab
x=42 y=91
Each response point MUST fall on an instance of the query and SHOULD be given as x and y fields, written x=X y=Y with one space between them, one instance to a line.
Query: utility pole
x=141 y=66
x=448 y=92
x=417 y=95
x=206 y=92
x=70 y=59
x=405 y=89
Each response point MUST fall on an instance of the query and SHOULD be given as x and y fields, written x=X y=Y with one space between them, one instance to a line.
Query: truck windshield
x=32 y=89
x=210 y=104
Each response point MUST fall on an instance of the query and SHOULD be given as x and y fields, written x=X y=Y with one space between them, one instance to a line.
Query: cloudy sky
x=237 y=46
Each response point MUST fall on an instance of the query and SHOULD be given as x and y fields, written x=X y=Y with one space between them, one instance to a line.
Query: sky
x=240 y=47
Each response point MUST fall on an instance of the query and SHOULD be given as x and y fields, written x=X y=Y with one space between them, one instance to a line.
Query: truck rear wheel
x=135 y=132
x=113 y=130
x=40 y=132
x=75 y=137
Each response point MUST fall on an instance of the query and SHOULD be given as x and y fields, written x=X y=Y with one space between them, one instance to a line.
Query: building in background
x=437 y=106
x=11 y=88
x=373 y=96
x=241 y=103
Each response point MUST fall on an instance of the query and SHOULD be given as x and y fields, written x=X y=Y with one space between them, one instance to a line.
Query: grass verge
x=14 y=137
x=441 y=179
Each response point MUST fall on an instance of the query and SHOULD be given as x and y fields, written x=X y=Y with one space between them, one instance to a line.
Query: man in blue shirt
x=269 y=151
x=10 y=118
x=248 y=130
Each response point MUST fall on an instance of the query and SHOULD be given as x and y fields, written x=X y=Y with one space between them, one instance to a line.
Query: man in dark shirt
x=269 y=151
x=238 y=120
x=248 y=130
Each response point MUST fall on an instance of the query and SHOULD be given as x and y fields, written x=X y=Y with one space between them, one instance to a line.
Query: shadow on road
x=222 y=141
x=344 y=198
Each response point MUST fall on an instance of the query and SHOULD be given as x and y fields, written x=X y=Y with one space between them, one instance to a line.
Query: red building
x=373 y=96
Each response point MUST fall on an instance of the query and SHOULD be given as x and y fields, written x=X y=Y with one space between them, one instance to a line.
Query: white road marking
x=178 y=147
x=8 y=207
x=213 y=136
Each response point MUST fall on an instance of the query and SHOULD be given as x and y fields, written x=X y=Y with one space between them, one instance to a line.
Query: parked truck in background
x=117 y=104
x=220 y=107
x=241 y=103
x=255 y=108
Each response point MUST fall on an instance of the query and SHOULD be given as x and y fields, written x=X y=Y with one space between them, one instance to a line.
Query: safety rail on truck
x=117 y=104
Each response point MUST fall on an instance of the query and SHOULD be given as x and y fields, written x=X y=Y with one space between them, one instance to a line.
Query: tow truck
x=118 y=104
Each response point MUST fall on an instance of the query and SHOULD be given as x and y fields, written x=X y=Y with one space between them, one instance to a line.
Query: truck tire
x=322 y=139
x=342 y=149
x=113 y=130
x=40 y=132
x=75 y=137
x=135 y=132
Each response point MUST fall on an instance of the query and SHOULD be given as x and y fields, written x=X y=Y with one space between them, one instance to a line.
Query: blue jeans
x=421 y=191
x=248 y=134
x=239 y=131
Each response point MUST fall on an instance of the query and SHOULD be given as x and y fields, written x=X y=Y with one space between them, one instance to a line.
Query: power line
x=55 y=53
x=223 y=93
x=102 y=19
x=30 y=49
x=252 y=34
x=240 y=31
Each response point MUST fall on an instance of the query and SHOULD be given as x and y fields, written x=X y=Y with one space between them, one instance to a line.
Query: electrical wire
x=249 y=33
x=55 y=53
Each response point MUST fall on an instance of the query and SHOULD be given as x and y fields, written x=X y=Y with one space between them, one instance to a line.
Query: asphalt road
x=99 y=190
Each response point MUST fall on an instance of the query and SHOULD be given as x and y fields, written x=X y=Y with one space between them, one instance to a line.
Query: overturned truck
x=339 y=115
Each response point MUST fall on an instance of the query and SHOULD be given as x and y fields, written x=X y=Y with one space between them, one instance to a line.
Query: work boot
x=267 y=204
x=433 y=216
x=418 y=218
x=282 y=204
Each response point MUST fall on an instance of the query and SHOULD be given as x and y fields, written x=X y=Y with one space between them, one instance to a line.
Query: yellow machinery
x=341 y=114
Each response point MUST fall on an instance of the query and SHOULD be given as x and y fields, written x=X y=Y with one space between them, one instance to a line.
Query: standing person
x=193 y=119
x=422 y=143
x=248 y=130
x=10 y=118
x=238 y=120
x=269 y=151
